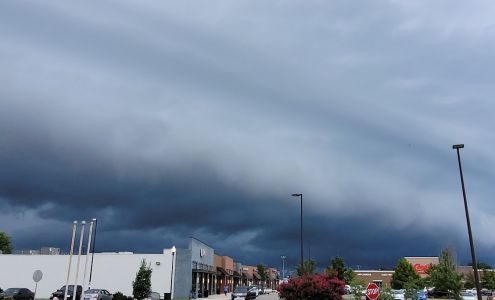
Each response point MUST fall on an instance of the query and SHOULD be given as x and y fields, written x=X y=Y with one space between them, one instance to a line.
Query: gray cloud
x=186 y=118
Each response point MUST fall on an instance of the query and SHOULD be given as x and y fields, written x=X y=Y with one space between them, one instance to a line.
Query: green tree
x=338 y=269
x=385 y=293
x=337 y=263
x=404 y=275
x=484 y=266
x=357 y=287
x=307 y=268
x=262 y=272
x=481 y=265
x=444 y=276
x=488 y=281
x=469 y=281
x=141 y=286
x=349 y=276
x=5 y=243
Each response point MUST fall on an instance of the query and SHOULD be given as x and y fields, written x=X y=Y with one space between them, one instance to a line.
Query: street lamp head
x=458 y=146
x=94 y=219
x=174 y=249
x=296 y=195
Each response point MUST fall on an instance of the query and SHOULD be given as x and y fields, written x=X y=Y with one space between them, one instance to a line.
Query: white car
x=240 y=293
x=398 y=294
x=347 y=289
x=468 y=295
x=254 y=288
x=268 y=291
x=97 y=294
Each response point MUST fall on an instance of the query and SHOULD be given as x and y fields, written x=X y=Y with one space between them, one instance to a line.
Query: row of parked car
x=249 y=292
x=469 y=294
x=27 y=294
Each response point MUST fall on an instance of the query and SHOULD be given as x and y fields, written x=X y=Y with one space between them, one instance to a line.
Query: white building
x=111 y=271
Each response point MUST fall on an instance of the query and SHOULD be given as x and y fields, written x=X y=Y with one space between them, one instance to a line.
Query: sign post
x=37 y=275
x=372 y=291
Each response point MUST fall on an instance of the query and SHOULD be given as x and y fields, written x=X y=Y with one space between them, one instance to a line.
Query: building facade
x=112 y=271
x=194 y=272
x=422 y=264
x=380 y=278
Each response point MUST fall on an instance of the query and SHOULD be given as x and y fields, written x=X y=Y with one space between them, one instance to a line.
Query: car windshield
x=467 y=294
x=93 y=291
x=71 y=288
x=241 y=290
x=11 y=291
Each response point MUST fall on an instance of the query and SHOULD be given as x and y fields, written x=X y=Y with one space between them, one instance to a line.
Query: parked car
x=347 y=289
x=261 y=289
x=468 y=296
x=60 y=293
x=254 y=289
x=398 y=294
x=97 y=294
x=17 y=294
x=268 y=291
x=156 y=296
x=434 y=293
x=486 y=292
x=243 y=293
x=422 y=295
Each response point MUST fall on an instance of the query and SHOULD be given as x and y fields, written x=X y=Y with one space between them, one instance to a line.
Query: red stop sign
x=372 y=291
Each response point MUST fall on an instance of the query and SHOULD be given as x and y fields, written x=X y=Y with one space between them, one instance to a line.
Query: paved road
x=272 y=296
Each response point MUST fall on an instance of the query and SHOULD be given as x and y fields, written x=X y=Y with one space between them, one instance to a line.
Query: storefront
x=380 y=278
x=196 y=275
x=247 y=275
x=225 y=268
x=237 y=274
x=422 y=264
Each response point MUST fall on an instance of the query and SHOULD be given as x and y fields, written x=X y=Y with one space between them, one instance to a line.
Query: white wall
x=112 y=271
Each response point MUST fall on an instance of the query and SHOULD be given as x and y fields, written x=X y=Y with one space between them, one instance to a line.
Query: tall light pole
x=173 y=250
x=283 y=257
x=93 y=253
x=301 y=197
x=473 y=255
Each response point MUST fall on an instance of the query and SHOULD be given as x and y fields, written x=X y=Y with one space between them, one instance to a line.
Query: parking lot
x=271 y=296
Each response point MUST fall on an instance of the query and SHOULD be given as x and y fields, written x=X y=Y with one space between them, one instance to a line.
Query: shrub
x=119 y=296
x=317 y=287
x=141 y=287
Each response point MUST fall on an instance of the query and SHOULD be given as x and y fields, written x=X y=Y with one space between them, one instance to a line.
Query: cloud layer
x=166 y=120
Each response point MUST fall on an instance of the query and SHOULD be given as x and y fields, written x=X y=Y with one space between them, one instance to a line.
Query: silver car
x=97 y=294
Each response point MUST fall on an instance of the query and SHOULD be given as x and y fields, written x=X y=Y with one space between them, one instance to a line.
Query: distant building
x=422 y=264
x=42 y=251
x=27 y=252
x=50 y=251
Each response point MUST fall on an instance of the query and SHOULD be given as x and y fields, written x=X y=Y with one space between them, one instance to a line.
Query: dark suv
x=60 y=293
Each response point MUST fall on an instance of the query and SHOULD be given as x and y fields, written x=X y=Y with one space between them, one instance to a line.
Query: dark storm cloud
x=189 y=118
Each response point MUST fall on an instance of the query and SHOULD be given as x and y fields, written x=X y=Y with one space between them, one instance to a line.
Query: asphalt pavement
x=271 y=296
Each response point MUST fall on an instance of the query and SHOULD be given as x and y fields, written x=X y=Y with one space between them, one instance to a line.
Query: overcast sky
x=170 y=119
